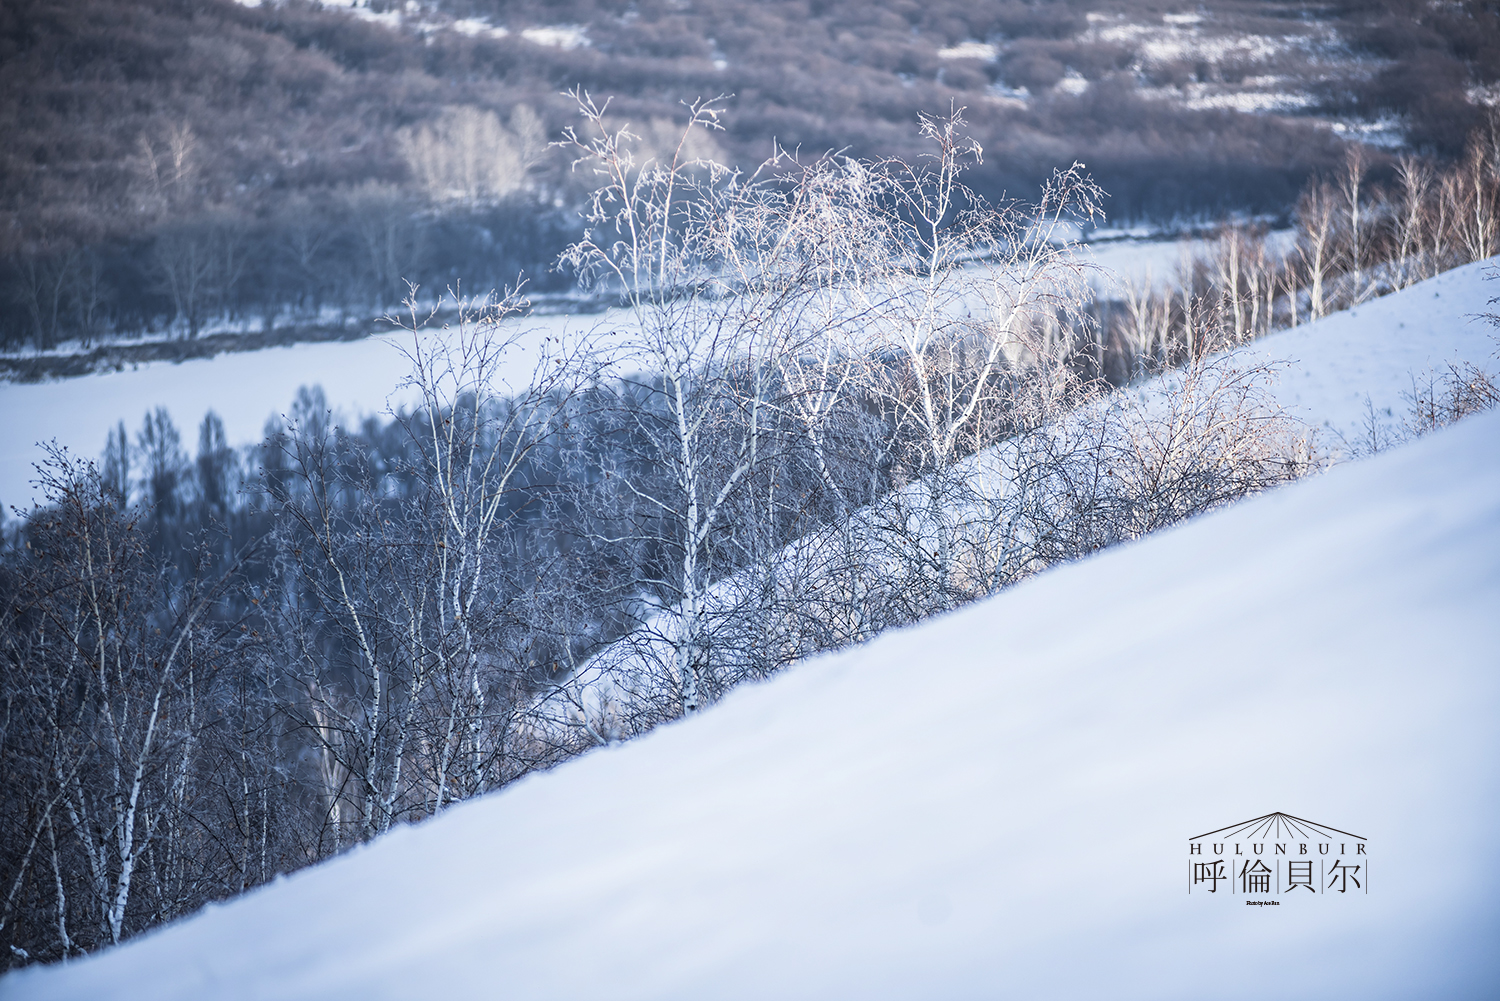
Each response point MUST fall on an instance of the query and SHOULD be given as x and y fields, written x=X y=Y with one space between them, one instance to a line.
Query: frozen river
x=359 y=378
x=246 y=389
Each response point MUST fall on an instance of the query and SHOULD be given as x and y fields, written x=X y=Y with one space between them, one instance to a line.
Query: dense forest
x=176 y=163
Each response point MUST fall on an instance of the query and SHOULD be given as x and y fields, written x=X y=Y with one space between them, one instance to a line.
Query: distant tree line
x=325 y=260
x=171 y=164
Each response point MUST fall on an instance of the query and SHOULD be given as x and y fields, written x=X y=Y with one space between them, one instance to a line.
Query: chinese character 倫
x=1256 y=879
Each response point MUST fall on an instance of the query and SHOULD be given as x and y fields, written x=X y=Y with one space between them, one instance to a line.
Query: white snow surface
x=984 y=51
x=1182 y=39
x=1379 y=350
x=994 y=804
x=359 y=378
x=1248 y=102
x=564 y=36
x=1140 y=260
x=244 y=389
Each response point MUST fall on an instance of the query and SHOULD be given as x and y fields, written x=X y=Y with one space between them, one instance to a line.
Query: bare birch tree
x=398 y=585
x=111 y=666
x=681 y=241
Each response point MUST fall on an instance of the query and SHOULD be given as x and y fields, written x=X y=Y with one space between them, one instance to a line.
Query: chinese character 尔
x=1343 y=874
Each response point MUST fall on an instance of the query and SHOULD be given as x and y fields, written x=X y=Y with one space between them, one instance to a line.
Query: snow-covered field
x=995 y=804
x=1157 y=262
x=359 y=378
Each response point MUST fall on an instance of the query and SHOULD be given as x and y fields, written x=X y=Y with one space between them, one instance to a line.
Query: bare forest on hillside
x=858 y=393
x=172 y=167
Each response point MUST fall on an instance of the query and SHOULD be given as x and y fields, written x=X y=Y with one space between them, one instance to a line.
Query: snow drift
x=996 y=803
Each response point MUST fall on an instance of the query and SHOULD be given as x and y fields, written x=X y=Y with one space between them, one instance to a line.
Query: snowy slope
x=995 y=804
x=1376 y=349
x=1325 y=374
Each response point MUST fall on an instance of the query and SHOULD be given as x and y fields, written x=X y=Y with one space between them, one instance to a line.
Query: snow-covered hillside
x=1346 y=378
x=997 y=803
x=1379 y=351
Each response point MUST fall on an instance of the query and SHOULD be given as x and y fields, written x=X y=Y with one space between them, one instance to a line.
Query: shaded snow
x=970 y=50
x=1249 y=102
x=391 y=18
x=1180 y=39
x=477 y=27
x=993 y=804
x=567 y=36
x=1073 y=84
x=1487 y=95
x=1388 y=131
